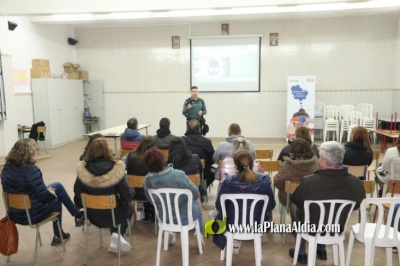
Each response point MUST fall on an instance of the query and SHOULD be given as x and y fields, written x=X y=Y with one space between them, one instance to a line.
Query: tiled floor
x=60 y=165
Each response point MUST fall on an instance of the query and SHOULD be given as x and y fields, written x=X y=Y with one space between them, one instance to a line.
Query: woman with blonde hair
x=359 y=150
x=244 y=181
x=100 y=174
x=20 y=175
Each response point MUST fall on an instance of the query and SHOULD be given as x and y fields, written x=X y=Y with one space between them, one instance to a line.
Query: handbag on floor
x=8 y=236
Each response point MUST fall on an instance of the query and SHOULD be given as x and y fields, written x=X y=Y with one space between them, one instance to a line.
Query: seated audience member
x=135 y=163
x=20 y=175
x=359 y=150
x=91 y=138
x=182 y=158
x=301 y=162
x=224 y=148
x=131 y=137
x=164 y=136
x=228 y=165
x=161 y=176
x=244 y=181
x=200 y=145
x=331 y=181
x=303 y=133
x=100 y=174
x=383 y=172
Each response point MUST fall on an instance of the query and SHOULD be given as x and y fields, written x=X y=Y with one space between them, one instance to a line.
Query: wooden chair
x=358 y=170
x=125 y=152
x=137 y=181
x=41 y=136
x=369 y=188
x=195 y=178
x=290 y=187
x=392 y=189
x=23 y=202
x=101 y=202
x=264 y=154
x=373 y=166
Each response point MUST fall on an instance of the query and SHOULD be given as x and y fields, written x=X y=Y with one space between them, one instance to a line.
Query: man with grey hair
x=332 y=181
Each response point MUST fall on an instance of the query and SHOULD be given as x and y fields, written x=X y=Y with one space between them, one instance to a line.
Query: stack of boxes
x=73 y=71
x=40 y=68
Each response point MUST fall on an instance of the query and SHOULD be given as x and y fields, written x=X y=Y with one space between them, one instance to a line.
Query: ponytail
x=247 y=176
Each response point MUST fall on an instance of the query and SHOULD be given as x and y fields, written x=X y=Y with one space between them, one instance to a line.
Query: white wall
x=352 y=58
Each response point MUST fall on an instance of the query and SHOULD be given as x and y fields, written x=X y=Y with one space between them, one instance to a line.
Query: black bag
x=148 y=212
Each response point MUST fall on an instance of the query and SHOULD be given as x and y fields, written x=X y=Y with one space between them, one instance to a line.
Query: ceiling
x=170 y=11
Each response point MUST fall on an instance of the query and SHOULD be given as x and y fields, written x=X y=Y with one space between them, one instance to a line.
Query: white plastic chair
x=319 y=115
x=245 y=200
x=337 y=210
x=367 y=121
x=355 y=120
x=163 y=197
x=344 y=119
x=376 y=234
x=331 y=117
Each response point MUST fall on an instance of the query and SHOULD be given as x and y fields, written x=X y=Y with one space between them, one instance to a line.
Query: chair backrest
x=393 y=187
x=358 y=170
x=337 y=214
x=344 y=111
x=355 y=118
x=381 y=236
x=195 y=178
x=164 y=197
x=366 y=109
x=290 y=187
x=395 y=168
x=99 y=202
x=165 y=153
x=125 y=152
x=41 y=129
x=19 y=202
x=135 y=180
x=244 y=207
x=270 y=166
x=264 y=154
x=319 y=107
x=331 y=112
x=369 y=187
x=375 y=156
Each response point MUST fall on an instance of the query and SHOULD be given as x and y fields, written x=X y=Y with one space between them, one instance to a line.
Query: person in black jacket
x=359 y=150
x=201 y=146
x=100 y=174
x=21 y=176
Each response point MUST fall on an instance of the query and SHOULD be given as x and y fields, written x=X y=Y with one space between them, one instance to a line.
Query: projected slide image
x=212 y=67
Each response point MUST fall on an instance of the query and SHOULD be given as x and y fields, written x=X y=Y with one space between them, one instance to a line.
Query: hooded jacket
x=130 y=139
x=356 y=154
x=104 y=177
x=224 y=148
x=163 y=138
x=293 y=170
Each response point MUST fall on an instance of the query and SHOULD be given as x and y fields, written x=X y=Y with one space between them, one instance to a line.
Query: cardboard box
x=40 y=73
x=73 y=75
x=83 y=75
x=40 y=63
x=70 y=68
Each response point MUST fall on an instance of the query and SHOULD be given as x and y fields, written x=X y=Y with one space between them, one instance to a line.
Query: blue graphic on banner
x=299 y=94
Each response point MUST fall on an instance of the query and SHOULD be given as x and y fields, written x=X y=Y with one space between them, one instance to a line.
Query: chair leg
x=86 y=242
x=350 y=248
x=8 y=258
x=283 y=221
x=335 y=254
x=258 y=250
x=119 y=245
x=44 y=145
x=312 y=251
x=166 y=240
x=342 y=261
x=389 y=256
x=199 y=237
x=160 y=235
x=35 y=261
x=229 y=248
x=185 y=247
x=222 y=256
x=130 y=232
x=369 y=254
x=296 y=249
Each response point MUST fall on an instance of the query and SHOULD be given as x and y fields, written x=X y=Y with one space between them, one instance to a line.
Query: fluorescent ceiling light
x=191 y=12
x=131 y=15
x=254 y=10
x=73 y=16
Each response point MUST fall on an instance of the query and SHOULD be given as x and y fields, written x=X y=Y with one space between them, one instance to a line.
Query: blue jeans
x=62 y=199
x=197 y=216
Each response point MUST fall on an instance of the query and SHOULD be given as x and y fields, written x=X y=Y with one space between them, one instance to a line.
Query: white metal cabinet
x=59 y=103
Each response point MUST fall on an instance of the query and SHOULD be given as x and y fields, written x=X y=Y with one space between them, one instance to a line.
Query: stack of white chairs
x=319 y=115
x=355 y=120
x=344 y=119
x=331 y=117
x=368 y=121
